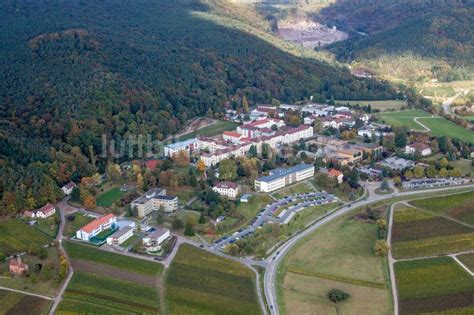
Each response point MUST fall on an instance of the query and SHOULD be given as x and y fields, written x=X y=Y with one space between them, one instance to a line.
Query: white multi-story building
x=67 y=189
x=280 y=178
x=154 y=199
x=255 y=129
x=189 y=146
x=153 y=241
x=46 y=211
x=227 y=189
x=120 y=236
x=93 y=228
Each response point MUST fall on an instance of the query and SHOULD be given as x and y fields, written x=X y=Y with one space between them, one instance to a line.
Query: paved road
x=275 y=259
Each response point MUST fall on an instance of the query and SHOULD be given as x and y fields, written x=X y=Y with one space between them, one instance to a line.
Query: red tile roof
x=151 y=164
x=91 y=226
x=47 y=208
x=334 y=173
x=232 y=134
x=226 y=185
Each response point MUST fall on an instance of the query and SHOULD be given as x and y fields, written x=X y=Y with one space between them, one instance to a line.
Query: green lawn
x=72 y=225
x=298 y=188
x=250 y=209
x=211 y=130
x=16 y=236
x=48 y=226
x=92 y=293
x=380 y=105
x=107 y=198
x=404 y=118
x=17 y=303
x=321 y=262
x=134 y=238
x=439 y=91
x=464 y=165
x=89 y=253
x=199 y=282
x=435 y=284
x=439 y=126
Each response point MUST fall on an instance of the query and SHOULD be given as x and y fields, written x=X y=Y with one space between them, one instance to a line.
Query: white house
x=93 y=228
x=280 y=178
x=67 y=189
x=227 y=189
x=46 y=211
x=415 y=147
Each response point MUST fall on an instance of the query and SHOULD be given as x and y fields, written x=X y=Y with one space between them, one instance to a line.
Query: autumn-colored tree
x=90 y=202
x=443 y=172
x=140 y=181
x=245 y=104
x=181 y=158
x=381 y=248
x=201 y=166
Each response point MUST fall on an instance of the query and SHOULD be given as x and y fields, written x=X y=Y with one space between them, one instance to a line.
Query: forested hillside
x=74 y=70
x=441 y=29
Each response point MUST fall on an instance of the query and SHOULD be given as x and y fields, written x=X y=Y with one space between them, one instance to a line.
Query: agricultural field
x=299 y=188
x=17 y=236
x=93 y=293
x=383 y=105
x=89 y=253
x=467 y=260
x=434 y=285
x=210 y=131
x=44 y=272
x=74 y=222
x=17 y=303
x=322 y=262
x=418 y=233
x=199 y=282
x=443 y=91
x=107 y=198
x=457 y=206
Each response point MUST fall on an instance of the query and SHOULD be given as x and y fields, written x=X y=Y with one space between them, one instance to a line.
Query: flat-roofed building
x=154 y=199
x=280 y=178
x=189 y=145
x=120 y=236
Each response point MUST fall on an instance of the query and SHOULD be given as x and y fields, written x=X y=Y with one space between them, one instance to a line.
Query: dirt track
x=100 y=269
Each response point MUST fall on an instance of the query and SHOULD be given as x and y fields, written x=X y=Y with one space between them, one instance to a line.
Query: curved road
x=275 y=259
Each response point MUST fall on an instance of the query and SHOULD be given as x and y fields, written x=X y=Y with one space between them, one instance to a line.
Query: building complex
x=281 y=177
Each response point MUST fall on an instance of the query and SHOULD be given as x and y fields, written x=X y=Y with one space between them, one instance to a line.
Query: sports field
x=438 y=126
x=210 y=131
x=17 y=303
x=199 y=282
x=434 y=285
x=322 y=262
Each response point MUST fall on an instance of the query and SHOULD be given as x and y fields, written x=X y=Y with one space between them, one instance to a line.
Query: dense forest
x=440 y=29
x=72 y=71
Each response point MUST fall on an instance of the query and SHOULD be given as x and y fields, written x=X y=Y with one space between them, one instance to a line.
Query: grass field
x=417 y=233
x=464 y=165
x=468 y=260
x=201 y=283
x=92 y=293
x=71 y=226
x=107 y=198
x=250 y=209
x=439 y=126
x=89 y=253
x=457 y=206
x=439 y=91
x=434 y=285
x=45 y=226
x=298 y=188
x=17 y=303
x=16 y=237
x=212 y=130
x=322 y=262
x=380 y=105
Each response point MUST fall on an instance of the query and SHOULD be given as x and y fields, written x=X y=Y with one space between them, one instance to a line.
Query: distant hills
x=441 y=30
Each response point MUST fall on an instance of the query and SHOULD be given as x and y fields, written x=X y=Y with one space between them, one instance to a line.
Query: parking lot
x=433 y=182
x=295 y=203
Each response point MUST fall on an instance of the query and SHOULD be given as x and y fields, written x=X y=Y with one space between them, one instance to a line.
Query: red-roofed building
x=337 y=174
x=46 y=211
x=253 y=129
x=17 y=267
x=93 y=228
x=151 y=164
x=419 y=147
x=67 y=189
x=232 y=136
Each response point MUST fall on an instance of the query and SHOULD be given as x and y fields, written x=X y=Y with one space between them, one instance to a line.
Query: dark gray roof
x=281 y=172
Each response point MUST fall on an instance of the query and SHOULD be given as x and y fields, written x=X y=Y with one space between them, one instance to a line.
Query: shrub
x=381 y=248
x=336 y=295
